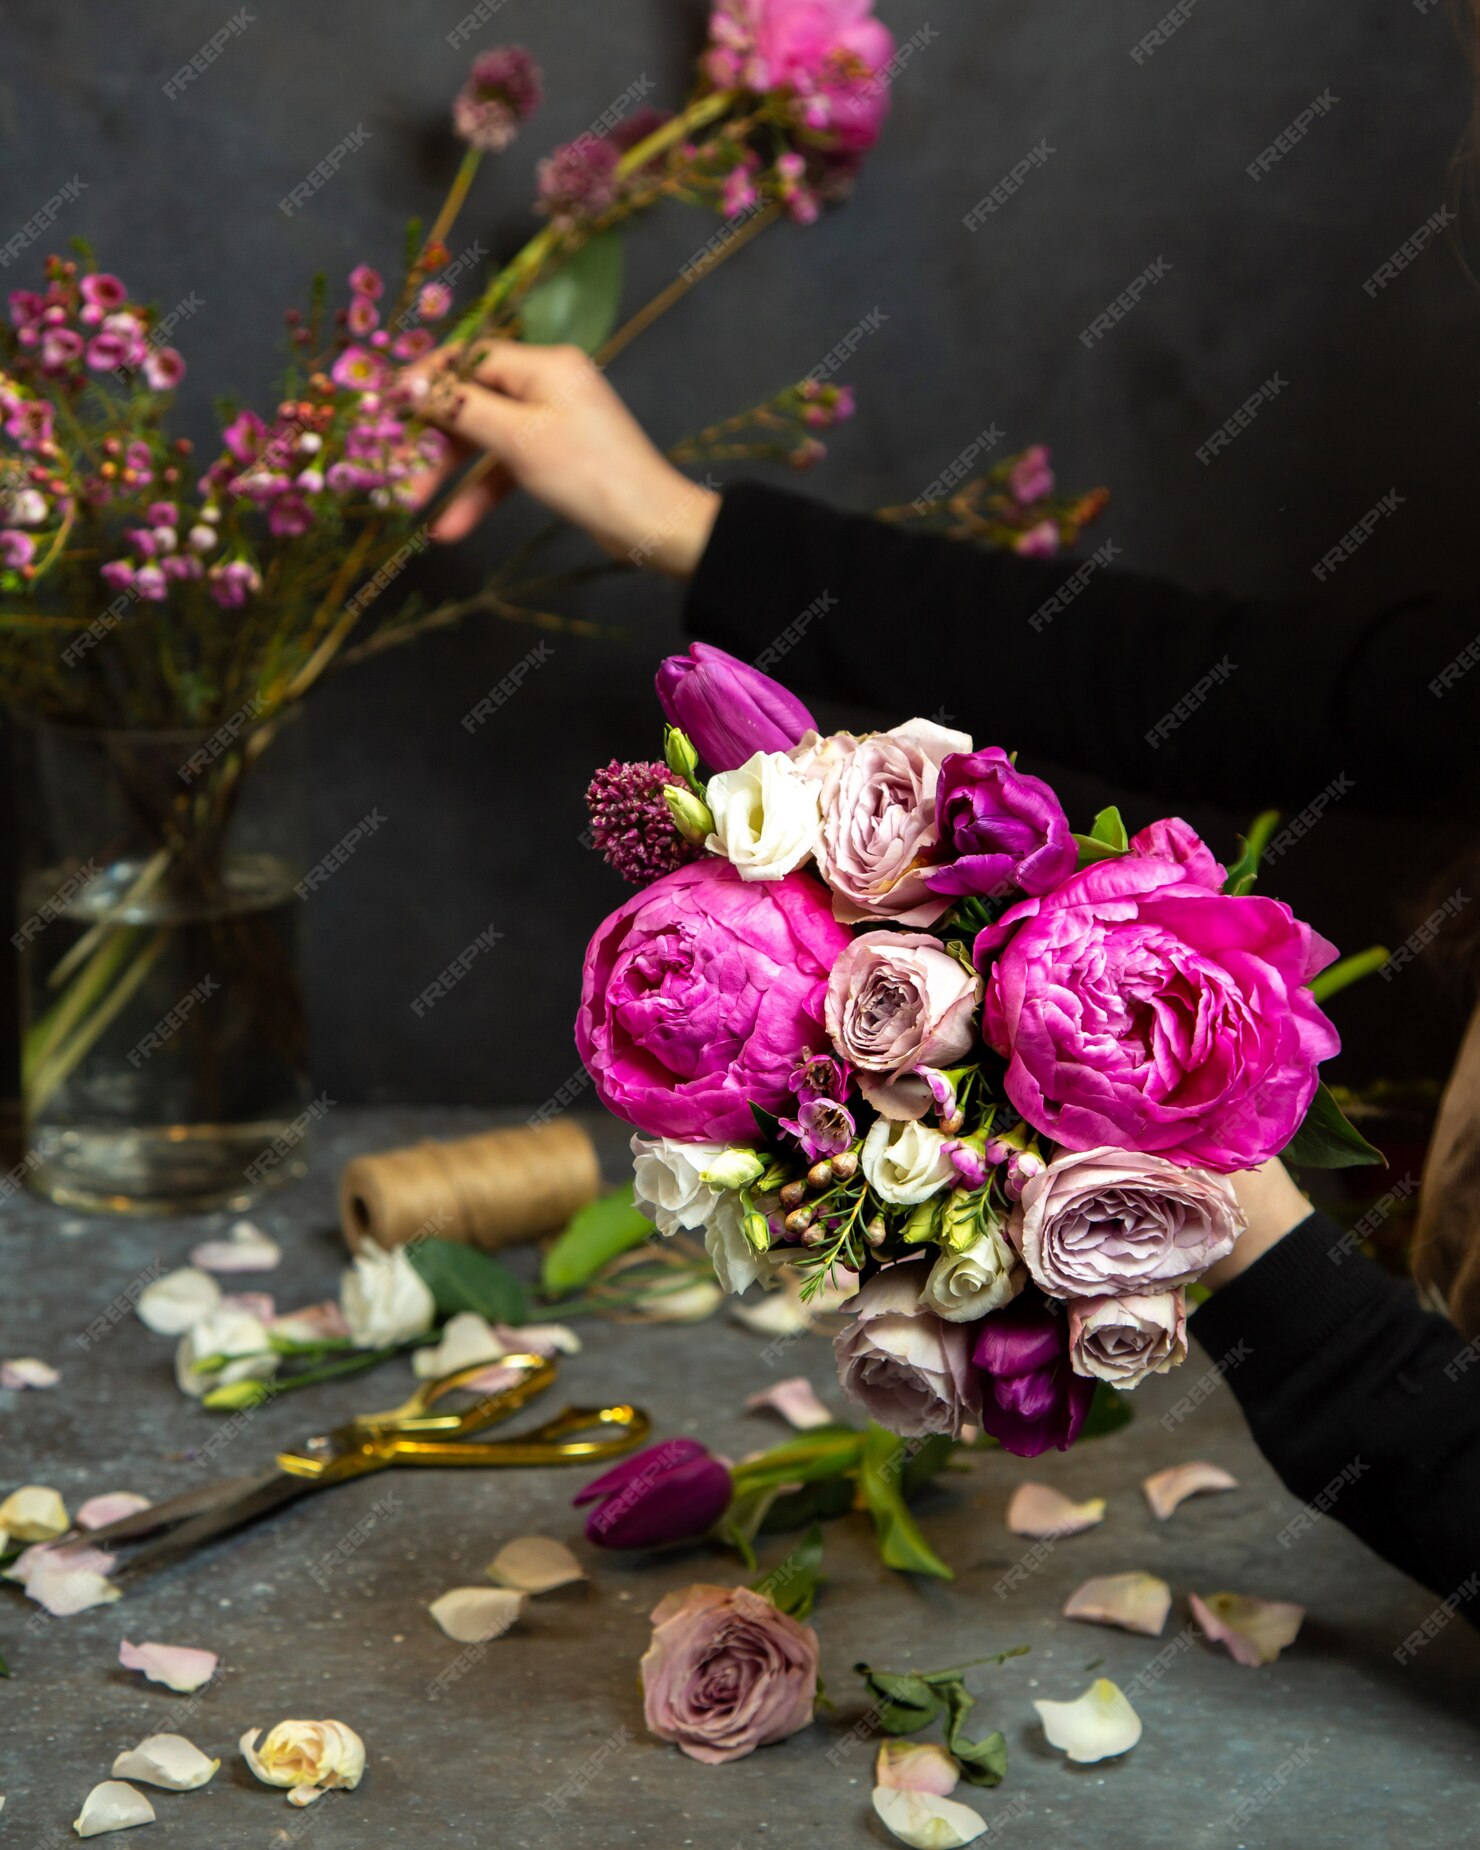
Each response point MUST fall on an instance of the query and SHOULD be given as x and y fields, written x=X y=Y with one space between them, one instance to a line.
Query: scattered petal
x=538 y=1338
x=28 y=1371
x=245 y=1249
x=535 y=1564
x=916 y=1766
x=474 y=1615
x=305 y=1795
x=314 y=1323
x=112 y=1806
x=493 y=1379
x=176 y=1302
x=1048 y=1515
x=467 y=1339
x=66 y=1580
x=691 y=1304
x=1166 y=1489
x=795 y=1400
x=34 y=1513
x=258 y=1304
x=1095 y=1726
x=177 y=1666
x=1135 y=1602
x=928 y=1822
x=167 y=1760
x=111 y=1506
x=310 y=1758
x=1253 y=1631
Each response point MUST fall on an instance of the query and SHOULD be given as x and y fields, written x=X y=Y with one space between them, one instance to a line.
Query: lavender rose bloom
x=1030 y=1396
x=896 y=1001
x=878 y=820
x=1122 y=1340
x=699 y=994
x=998 y=829
x=730 y=710
x=1137 y=1008
x=1106 y=1222
x=727 y=1672
x=906 y=1367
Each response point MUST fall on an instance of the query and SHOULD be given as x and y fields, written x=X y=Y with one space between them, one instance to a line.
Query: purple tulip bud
x=665 y=1493
x=730 y=710
x=999 y=829
x=1031 y=1398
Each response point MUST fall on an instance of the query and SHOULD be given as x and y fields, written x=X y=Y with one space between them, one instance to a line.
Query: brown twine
x=491 y=1190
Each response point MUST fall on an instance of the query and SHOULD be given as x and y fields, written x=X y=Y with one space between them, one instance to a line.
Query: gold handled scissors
x=421 y=1432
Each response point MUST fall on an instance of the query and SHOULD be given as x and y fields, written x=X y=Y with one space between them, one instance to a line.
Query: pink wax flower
x=832 y=54
x=698 y=994
x=151 y=583
x=413 y=344
x=434 y=301
x=367 y=282
x=1039 y=542
x=30 y=424
x=233 y=583
x=60 y=348
x=117 y=574
x=107 y=352
x=162 y=514
x=25 y=307
x=363 y=317
x=578 y=182
x=243 y=435
x=1138 y=1009
x=17 y=549
x=359 y=369
x=103 y=291
x=1030 y=477
x=631 y=826
x=503 y=89
x=289 y=516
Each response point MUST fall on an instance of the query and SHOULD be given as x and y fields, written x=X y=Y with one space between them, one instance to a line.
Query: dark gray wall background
x=1148 y=162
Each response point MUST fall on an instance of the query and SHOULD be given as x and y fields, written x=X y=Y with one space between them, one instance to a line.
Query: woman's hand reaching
x=549 y=423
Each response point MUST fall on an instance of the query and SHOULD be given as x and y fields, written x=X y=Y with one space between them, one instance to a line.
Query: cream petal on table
x=475 y=1615
x=535 y=1564
x=1096 y=1726
x=66 y=1580
x=34 y=1513
x=926 y=1821
x=1135 y=1602
x=245 y=1249
x=28 y=1371
x=916 y=1766
x=1166 y=1489
x=175 y=1303
x=178 y=1666
x=167 y=1760
x=112 y=1806
x=1048 y=1515
x=1253 y=1631
x=467 y=1339
x=110 y=1506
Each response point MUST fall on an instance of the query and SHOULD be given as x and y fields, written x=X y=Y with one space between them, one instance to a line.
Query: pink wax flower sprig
x=1013 y=506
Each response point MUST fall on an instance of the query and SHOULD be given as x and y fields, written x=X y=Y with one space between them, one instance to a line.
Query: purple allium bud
x=503 y=90
x=579 y=181
x=631 y=825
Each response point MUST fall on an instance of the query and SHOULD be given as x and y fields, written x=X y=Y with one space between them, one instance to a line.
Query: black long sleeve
x=1189 y=696
x=1367 y=1406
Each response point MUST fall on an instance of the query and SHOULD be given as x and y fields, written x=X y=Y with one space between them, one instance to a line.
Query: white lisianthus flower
x=906 y=1162
x=237 y=1335
x=384 y=1298
x=767 y=817
x=737 y=1264
x=966 y=1285
x=309 y=1758
x=668 y=1182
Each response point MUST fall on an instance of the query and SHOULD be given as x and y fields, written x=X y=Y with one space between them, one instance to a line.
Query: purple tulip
x=999 y=828
x=665 y=1493
x=1031 y=1397
x=730 y=710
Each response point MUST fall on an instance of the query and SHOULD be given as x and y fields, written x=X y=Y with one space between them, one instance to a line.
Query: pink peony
x=699 y=995
x=832 y=54
x=727 y=1672
x=1139 y=1009
x=1176 y=840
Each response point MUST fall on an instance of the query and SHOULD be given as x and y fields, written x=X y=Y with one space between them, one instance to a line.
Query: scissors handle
x=609 y=1432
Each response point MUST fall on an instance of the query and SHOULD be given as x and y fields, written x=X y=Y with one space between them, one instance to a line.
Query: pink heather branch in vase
x=898 y=1023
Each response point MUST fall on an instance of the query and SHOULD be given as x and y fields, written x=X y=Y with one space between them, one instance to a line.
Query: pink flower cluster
x=829 y=57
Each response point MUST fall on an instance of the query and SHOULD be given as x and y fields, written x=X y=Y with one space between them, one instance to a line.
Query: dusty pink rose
x=897 y=1001
x=1176 y=840
x=907 y=1368
x=1107 y=1222
x=700 y=994
x=1137 y=1008
x=878 y=820
x=1122 y=1340
x=726 y=1673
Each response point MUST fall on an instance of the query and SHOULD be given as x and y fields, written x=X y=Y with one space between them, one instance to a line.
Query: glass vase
x=164 y=1062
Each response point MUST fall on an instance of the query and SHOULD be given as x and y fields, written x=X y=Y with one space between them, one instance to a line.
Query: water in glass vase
x=164 y=1053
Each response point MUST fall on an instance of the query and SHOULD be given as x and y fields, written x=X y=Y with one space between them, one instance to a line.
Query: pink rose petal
x=178 y=1666
x=27 y=1371
x=1166 y=1489
x=314 y=1323
x=493 y=1379
x=1253 y=1631
x=256 y=1304
x=916 y=1766
x=1047 y=1514
x=1135 y=1602
x=111 y=1506
x=245 y=1249
x=66 y=1580
x=795 y=1400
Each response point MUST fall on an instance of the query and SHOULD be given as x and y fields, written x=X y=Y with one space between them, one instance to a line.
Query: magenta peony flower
x=1031 y=1398
x=671 y=1492
x=730 y=710
x=1176 y=840
x=631 y=825
x=998 y=828
x=1138 y=1009
x=699 y=994
x=579 y=181
x=831 y=54
x=503 y=89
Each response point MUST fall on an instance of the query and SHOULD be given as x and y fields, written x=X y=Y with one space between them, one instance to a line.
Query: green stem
x=48 y=1077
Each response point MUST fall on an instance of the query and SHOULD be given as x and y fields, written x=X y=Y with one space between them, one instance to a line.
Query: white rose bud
x=235 y=1334
x=309 y=1758
x=963 y=1286
x=670 y=1184
x=385 y=1299
x=767 y=817
x=906 y=1162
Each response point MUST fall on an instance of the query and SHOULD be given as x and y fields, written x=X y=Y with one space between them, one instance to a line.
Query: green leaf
x=462 y=1278
x=4 y=1668
x=825 y=1451
x=1109 y=828
x=1108 y=1412
x=1245 y=869
x=593 y=1237
x=925 y=1463
x=1348 y=970
x=792 y=1585
x=578 y=303
x=983 y=1762
x=819 y=1501
x=1328 y=1139
x=903 y=1704
x=880 y=1475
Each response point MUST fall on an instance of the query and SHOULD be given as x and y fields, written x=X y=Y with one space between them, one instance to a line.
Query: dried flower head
x=631 y=827
x=503 y=90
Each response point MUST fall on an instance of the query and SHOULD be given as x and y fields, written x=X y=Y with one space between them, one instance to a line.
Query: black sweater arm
x=1186 y=696
x=1367 y=1406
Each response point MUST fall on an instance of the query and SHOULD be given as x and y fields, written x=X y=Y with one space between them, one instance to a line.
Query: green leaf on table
x=823 y=1452
x=578 y=303
x=880 y=1487
x=1348 y=970
x=793 y=1584
x=926 y=1462
x=594 y=1236
x=1108 y=1412
x=903 y=1704
x=1328 y=1139
x=983 y=1762
x=1245 y=870
x=816 y=1502
x=463 y=1278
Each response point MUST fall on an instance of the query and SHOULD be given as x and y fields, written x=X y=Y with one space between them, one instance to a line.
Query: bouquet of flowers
x=880 y=1017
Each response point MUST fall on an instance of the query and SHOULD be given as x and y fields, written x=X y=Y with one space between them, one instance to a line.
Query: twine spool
x=491 y=1190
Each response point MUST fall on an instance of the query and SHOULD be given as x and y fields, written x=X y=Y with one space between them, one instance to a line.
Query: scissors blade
x=267 y=1492
x=173 y=1509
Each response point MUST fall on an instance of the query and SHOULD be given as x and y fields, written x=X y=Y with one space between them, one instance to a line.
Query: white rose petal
x=66 y=1580
x=467 y=1339
x=736 y=1263
x=927 y=1821
x=668 y=1181
x=245 y=1249
x=1048 y=1515
x=1135 y=1602
x=236 y=1334
x=537 y=1339
x=385 y=1299
x=1096 y=1726
x=28 y=1371
x=1166 y=1489
x=1253 y=1631
x=167 y=1760
x=34 y=1513
x=173 y=1303
x=964 y=1286
x=474 y=1615
x=906 y=1163
x=767 y=816
x=112 y=1806
x=535 y=1564
x=177 y=1666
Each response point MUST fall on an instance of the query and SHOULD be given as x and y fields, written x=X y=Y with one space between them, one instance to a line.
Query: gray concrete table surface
x=1338 y=1744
